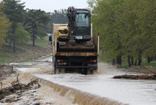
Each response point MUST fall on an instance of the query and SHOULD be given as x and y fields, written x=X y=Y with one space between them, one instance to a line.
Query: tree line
x=19 y=25
x=127 y=29
x=58 y=16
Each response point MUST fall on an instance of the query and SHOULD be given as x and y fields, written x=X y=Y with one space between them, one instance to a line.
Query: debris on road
x=145 y=77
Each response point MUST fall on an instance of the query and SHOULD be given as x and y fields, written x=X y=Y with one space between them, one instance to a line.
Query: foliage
x=14 y=11
x=58 y=16
x=22 y=36
x=4 y=25
x=36 y=21
x=127 y=28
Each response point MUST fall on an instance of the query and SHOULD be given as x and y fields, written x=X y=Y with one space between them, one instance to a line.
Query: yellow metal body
x=95 y=41
x=61 y=31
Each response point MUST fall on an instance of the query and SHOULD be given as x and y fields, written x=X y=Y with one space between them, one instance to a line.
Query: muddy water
x=48 y=93
x=26 y=69
x=77 y=97
x=133 y=92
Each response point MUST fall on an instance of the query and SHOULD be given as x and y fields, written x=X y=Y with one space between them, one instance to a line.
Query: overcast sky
x=51 y=5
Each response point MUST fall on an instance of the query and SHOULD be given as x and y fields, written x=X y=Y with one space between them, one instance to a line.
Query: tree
x=139 y=19
x=4 y=25
x=127 y=29
x=22 y=36
x=58 y=16
x=147 y=26
x=106 y=22
x=35 y=22
x=14 y=11
x=91 y=4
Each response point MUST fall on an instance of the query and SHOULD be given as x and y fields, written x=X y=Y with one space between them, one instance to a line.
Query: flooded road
x=133 y=92
x=48 y=59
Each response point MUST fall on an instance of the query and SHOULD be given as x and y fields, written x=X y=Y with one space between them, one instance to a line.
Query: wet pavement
x=133 y=92
x=48 y=59
x=46 y=62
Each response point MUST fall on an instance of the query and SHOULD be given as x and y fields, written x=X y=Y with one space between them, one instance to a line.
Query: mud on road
x=5 y=71
x=33 y=95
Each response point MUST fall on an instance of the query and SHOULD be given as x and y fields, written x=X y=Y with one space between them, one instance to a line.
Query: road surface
x=133 y=92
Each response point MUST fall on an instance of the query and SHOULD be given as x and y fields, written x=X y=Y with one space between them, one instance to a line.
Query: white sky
x=51 y=5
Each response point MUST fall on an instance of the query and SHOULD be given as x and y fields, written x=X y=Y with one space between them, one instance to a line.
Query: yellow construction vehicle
x=74 y=46
x=62 y=33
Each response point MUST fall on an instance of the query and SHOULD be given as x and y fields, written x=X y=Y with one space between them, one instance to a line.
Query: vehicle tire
x=54 y=68
x=62 y=70
x=85 y=71
x=89 y=71
x=54 y=62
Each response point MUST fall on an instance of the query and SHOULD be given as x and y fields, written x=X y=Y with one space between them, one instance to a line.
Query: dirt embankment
x=30 y=95
x=105 y=68
x=33 y=53
x=5 y=71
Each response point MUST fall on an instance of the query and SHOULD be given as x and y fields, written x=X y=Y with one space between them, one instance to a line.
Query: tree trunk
x=14 y=27
x=10 y=42
x=33 y=40
x=118 y=60
x=113 y=62
x=148 y=59
x=140 y=60
x=132 y=61
x=129 y=61
x=33 y=37
x=135 y=63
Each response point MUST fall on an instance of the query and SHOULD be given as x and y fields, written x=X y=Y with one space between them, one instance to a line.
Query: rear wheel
x=62 y=70
x=56 y=70
x=86 y=71
x=89 y=71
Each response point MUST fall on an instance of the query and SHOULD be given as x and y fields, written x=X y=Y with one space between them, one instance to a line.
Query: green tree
x=147 y=27
x=58 y=16
x=14 y=10
x=22 y=36
x=140 y=38
x=106 y=21
x=4 y=25
x=36 y=21
x=126 y=27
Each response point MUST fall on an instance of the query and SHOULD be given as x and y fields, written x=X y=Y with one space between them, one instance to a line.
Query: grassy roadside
x=25 y=52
